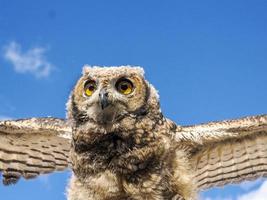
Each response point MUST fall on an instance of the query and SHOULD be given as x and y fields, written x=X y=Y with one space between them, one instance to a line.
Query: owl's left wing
x=228 y=151
x=30 y=147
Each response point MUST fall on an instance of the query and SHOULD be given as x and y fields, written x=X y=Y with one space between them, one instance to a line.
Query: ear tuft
x=140 y=70
x=86 y=69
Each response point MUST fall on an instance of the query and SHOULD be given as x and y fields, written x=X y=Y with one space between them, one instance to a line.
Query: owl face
x=107 y=94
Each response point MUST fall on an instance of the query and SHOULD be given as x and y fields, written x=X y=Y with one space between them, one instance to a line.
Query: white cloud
x=247 y=190
x=248 y=185
x=258 y=194
x=218 y=198
x=31 y=61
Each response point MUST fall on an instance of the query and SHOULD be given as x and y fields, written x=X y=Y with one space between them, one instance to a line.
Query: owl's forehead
x=112 y=72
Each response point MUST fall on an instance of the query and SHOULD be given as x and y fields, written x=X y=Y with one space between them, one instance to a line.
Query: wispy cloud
x=31 y=61
x=258 y=194
x=249 y=193
x=218 y=198
x=248 y=185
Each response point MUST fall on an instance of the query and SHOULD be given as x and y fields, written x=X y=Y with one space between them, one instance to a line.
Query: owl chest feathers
x=120 y=151
x=125 y=163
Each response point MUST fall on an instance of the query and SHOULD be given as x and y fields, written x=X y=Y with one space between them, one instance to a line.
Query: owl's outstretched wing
x=30 y=147
x=228 y=151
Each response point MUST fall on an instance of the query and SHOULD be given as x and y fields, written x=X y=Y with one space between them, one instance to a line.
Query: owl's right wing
x=30 y=147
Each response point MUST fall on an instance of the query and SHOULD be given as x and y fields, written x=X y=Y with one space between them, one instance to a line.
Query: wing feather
x=228 y=151
x=33 y=146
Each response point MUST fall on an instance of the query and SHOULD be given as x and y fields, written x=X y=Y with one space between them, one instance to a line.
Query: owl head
x=106 y=95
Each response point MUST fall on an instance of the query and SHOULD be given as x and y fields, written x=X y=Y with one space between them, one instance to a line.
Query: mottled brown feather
x=227 y=152
x=30 y=147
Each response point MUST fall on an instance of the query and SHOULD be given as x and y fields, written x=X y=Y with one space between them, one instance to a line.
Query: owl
x=120 y=146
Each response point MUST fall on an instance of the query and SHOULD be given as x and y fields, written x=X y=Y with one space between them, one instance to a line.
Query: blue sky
x=208 y=59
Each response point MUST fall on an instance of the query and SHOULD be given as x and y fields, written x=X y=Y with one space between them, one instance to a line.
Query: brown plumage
x=120 y=146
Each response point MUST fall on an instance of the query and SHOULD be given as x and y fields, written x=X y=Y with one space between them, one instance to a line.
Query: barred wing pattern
x=30 y=147
x=228 y=151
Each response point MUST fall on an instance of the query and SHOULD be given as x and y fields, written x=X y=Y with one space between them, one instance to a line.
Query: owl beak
x=103 y=98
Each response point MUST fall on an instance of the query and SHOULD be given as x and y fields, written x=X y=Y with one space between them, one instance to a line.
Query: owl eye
x=124 y=86
x=89 y=87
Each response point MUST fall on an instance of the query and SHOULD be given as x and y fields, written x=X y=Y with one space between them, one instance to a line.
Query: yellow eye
x=89 y=88
x=124 y=86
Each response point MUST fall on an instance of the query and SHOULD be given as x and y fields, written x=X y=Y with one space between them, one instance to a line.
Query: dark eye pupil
x=124 y=86
x=91 y=87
